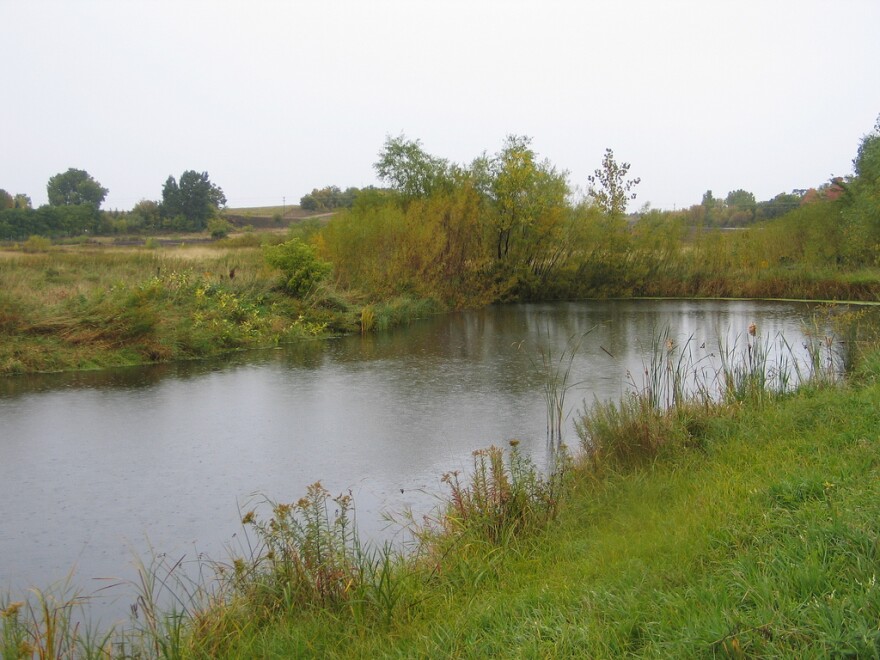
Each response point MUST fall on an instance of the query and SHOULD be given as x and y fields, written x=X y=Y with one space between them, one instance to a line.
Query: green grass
x=759 y=542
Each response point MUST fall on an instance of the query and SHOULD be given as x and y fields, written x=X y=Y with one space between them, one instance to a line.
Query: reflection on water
x=98 y=466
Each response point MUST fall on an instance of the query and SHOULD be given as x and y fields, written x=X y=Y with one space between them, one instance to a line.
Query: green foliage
x=6 y=200
x=306 y=557
x=301 y=269
x=861 y=200
x=409 y=170
x=778 y=206
x=219 y=228
x=37 y=244
x=433 y=248
x=17 y=224
x=191 y=203
x=328 y=198
x=528 y=202
x=22 y=201
x=146 y=215
x=75 y=187
x=609 y=186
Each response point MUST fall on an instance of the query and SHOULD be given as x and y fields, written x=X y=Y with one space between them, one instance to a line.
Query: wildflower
x=249 y=518
x=514 y=443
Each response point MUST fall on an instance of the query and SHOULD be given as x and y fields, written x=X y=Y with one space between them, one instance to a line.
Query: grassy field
x=82 y=307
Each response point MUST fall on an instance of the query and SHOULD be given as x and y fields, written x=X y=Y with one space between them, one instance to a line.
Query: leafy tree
x=411 y=171
x=189 y=204
x=867 y=161
x=741 y=207
x=526 y=196
x=861 y=200
x=75 y=187
x=22 y=201
x=708 y=204
x=6 y=200
x=609 y=186
x=146 y=215
x=741 y=199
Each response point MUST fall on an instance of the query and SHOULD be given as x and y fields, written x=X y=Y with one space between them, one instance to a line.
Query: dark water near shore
x=97 y=468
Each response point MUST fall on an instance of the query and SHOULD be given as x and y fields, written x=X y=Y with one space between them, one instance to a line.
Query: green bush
x=219 y=228
x=300 y=267
x=37 y=244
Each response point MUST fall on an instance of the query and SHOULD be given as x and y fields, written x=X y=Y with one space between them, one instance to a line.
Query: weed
x=503 y=500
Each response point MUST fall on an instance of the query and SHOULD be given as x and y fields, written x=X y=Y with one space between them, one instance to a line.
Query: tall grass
x=681 y=392
x=555 y=375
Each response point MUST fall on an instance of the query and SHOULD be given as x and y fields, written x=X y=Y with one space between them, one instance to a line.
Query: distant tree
x=411 y=171
x=6 y=200
x=190 y=203
x=740 y=199
x=328 y=198
x=75 y=187
x=708 y=205
x=609 y=186
x=867 y=161
x=308 y=202
x=22 y=201
x=145 y=215
x=780 y=205
x=742 y=204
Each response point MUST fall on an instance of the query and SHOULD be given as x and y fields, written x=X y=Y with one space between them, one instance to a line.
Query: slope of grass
x=759 y=541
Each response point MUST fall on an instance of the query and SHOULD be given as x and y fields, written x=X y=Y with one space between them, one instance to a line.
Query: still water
x=99 y=468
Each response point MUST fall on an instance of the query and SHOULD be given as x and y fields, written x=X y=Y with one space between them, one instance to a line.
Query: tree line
x=74 y=208
x=509 y=225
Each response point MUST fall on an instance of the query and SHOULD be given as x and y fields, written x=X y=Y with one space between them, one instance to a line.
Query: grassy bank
x=87 y=307
x=756 y=538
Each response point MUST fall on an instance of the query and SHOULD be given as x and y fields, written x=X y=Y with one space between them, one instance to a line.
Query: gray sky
x=273 y=99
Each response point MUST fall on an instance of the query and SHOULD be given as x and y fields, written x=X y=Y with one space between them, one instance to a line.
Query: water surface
x=97 y=468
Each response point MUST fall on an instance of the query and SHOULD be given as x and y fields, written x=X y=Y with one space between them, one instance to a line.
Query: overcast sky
x=273 y=99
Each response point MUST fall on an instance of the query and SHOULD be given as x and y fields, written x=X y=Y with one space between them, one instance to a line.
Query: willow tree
x=528 y=200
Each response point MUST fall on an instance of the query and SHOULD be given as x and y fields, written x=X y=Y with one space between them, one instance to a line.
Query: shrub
x=301 y=269
x=219 y=228
x=37 y=244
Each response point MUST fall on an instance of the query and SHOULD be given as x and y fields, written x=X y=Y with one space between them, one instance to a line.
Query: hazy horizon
x=273 y=99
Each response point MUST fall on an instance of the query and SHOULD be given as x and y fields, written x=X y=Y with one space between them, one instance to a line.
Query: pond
x=99 y=468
